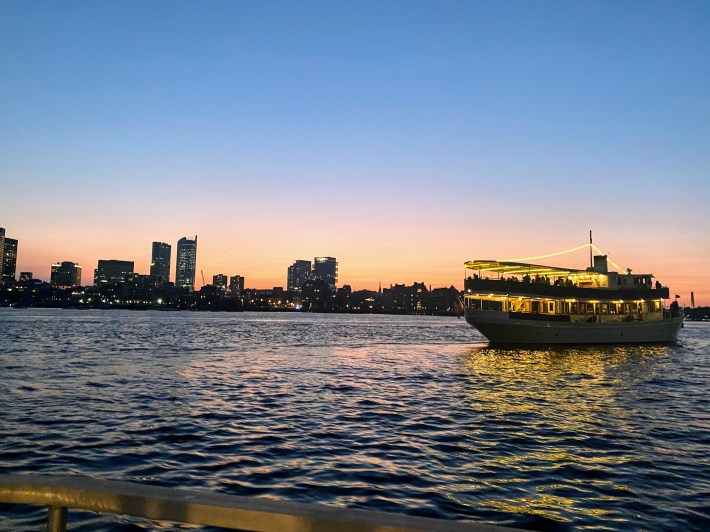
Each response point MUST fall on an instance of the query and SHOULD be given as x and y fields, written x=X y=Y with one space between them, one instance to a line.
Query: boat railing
x=61 y=493
x=472 y=284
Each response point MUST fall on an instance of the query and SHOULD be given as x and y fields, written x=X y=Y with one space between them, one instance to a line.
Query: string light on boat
x=545 y=256
x=558 y=253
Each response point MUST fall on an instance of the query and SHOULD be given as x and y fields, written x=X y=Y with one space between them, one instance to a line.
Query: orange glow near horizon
x=433 y=254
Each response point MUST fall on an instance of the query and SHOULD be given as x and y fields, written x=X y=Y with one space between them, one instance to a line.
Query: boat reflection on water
x=559 y=426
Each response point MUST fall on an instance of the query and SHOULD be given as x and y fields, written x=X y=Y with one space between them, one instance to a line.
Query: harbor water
x=405 y=414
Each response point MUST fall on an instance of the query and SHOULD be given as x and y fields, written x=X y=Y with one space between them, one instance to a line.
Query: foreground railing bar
x=202 y=508
x=57 y=519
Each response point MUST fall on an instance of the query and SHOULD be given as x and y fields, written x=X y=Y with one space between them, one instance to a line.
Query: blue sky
x=539 y=117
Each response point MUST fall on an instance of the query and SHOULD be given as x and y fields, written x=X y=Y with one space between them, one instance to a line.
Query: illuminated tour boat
x=521 y=303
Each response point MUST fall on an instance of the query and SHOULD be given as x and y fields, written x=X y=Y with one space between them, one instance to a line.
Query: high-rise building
x=236 y=285
x=2 y=248
x=160 y=263
x=220 y=281
x=9 y=261
x=112 y=271
x=326 y=268
x=66 y=275
x=185 y=263
x=298 y=273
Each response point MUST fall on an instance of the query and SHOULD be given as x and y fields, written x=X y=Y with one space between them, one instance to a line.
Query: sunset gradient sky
x=402 y=138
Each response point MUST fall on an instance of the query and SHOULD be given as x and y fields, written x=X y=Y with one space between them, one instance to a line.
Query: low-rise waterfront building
x=405 y=299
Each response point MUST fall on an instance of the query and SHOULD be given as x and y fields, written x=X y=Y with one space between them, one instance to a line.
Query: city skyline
x=329 y=274
x=403 y=139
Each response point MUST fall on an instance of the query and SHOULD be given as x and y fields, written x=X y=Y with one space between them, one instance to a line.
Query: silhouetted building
x=185 y=263
x=138 y=279
x=443 y=301
x=9 y=260
x=25 y=277
x=265 y=299
x=298 y=273
x=367 y=301
x=404 y=299
x=343 y=297
x=2 y=247
x=692 y=300
x=220 y=281
x=317 y=296
x=65 y=275
x=160 y=263
x=112 y=271
x=326 y=268
x=236 y=285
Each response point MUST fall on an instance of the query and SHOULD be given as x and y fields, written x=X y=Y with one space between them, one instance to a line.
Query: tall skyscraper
x=2 y=250
x=236 y=284
x=9 y=261
x=220 y=281
x=326 y=268
x=66 y=275
x=160 y=263
x=112 y=271
x=298 y=273
x=185 y=263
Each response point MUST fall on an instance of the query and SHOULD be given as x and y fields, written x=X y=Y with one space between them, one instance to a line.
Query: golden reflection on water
x=555 y=401
x=518 y=380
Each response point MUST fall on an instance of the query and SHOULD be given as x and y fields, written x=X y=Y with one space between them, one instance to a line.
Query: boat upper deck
x=536 y=280
x=543 y=289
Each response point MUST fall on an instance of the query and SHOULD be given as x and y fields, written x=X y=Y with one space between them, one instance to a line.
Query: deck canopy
x=520 y=268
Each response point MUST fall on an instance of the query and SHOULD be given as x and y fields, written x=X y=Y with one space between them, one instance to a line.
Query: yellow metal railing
x=61 y=493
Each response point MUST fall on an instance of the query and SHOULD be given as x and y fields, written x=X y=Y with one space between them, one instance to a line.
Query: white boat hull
x=499 y=328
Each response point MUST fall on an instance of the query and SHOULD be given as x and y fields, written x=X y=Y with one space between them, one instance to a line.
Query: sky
x=401 y=137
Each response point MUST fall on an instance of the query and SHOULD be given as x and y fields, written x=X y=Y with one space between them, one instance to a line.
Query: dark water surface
x=398 y=413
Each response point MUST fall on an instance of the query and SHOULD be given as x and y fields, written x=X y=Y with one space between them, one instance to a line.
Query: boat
x=513 y=302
